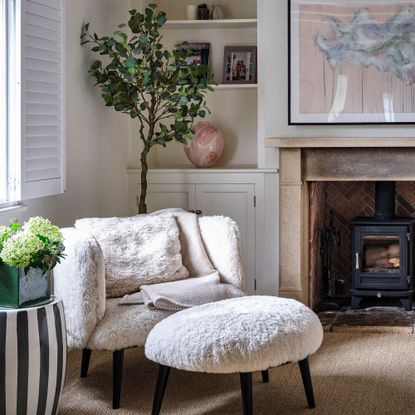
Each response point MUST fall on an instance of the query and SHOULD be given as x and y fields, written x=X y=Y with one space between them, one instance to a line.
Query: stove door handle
x=357 y=260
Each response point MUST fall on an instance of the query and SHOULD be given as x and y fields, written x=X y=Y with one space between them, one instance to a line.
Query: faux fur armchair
x=95 y=322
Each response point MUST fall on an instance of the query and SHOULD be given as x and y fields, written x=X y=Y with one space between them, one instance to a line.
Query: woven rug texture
x=352 y=373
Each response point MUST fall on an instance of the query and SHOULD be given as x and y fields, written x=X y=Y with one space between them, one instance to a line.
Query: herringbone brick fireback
x=348 y=200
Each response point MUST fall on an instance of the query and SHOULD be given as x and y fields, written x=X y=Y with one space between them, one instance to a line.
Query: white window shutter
x=42 y=100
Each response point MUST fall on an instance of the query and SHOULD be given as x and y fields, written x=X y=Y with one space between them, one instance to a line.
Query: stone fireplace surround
x=305 y=160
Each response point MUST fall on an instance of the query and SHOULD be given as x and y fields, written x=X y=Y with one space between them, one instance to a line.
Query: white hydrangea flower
x=20 y=249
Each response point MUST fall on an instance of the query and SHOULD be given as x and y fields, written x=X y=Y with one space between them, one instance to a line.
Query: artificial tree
x=138 y=76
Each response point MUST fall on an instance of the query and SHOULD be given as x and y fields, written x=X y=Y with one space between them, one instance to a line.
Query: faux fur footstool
x=240 y=335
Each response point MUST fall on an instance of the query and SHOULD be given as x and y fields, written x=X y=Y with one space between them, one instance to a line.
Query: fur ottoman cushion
x=244 y=334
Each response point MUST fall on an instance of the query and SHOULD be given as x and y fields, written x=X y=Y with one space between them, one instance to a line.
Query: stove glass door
x=380 y=253
x=380 y=257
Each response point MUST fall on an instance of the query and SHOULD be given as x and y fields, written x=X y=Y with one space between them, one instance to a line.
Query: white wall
x=98 y=145
x=114 y=138
x=97 y=137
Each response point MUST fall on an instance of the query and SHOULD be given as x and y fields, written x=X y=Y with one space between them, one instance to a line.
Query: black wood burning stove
x=383 y=252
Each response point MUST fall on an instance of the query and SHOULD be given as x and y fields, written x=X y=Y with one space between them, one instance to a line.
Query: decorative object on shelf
x=351 y=63
x=33 y=355
x=240 y=65
x=203 y=12
x=150 y=83
x=28 y=253
x=197 y=53
x=207 y=145
x=191 y=10
x=217 y=13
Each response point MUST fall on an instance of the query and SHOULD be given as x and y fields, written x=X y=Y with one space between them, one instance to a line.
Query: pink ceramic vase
x=207 y=145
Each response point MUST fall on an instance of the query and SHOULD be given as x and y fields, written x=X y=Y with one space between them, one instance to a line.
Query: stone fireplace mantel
x=304 y=160
x=350 y=142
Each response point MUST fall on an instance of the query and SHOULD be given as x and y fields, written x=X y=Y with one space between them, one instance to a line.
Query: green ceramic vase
x=19 y=289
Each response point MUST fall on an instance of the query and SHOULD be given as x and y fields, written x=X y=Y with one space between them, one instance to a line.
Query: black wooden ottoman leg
x=265 y=376
x=86 y=357
x=117 y=368
x=162 y=378
x=246 y=389
x=308 y=387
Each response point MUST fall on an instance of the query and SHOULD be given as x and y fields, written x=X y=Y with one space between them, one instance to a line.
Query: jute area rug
x=353 y=373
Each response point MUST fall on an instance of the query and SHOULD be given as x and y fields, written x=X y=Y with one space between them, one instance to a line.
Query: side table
x=32 y=359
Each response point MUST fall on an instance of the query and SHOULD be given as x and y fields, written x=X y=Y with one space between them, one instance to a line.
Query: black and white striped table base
x=32 y=359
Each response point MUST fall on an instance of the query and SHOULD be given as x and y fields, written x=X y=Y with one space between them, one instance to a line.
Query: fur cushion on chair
x=245 y=334
x=138 y=250
x=124 y=326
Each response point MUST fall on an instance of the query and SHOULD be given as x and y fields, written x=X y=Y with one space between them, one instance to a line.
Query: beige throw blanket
x=193 y=252
x=182 y=294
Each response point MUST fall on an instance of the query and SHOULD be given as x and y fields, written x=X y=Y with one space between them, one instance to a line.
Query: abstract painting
x=352 y=62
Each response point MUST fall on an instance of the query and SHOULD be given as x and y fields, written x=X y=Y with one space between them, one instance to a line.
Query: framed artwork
x=239 y=65
x=351 y=62
x=199 y=53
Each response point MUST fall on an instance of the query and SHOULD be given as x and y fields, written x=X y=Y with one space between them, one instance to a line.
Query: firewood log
x=374 y=253
x=387 y=263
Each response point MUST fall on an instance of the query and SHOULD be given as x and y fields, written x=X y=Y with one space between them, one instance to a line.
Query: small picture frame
x=240 y=65
x=200 y=52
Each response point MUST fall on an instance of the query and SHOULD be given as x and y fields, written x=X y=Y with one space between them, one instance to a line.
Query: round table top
x=47 y=303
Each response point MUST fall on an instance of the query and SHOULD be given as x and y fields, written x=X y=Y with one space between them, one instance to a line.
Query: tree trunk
x=142 y=206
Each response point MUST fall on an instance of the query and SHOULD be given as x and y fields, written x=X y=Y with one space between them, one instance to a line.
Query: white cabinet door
x=163 y=196
x=237 y=202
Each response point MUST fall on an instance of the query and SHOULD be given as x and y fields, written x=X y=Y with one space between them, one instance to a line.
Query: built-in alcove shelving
x=234 y=107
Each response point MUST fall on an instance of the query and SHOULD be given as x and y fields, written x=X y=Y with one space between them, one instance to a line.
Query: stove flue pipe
x=385 y=195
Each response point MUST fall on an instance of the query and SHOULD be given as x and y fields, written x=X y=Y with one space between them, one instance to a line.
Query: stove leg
x=406 y=303
x=356 y=301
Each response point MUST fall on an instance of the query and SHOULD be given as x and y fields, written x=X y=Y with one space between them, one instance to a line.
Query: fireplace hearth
x=383 y=252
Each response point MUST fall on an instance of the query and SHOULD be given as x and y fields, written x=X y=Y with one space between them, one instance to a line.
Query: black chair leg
x=86 y=357
x=246 y=389
x=162 y=378
x=117 y=368
x=265 y=376
x=308 y=387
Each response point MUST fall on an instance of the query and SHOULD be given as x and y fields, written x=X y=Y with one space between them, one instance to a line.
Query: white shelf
x=227 y=87
x=247 y=168
x=211 y=24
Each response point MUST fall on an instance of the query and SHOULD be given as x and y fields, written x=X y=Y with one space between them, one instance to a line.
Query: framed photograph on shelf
x=240 y=65
x=351 y=62
x=200 y=53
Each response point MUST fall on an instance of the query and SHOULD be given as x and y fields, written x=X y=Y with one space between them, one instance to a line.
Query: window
x=31 y=93
x=9 y=103
x=3 y=103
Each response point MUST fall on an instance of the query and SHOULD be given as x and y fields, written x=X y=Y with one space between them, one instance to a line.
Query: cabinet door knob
x=191 y=211
x=198 y=212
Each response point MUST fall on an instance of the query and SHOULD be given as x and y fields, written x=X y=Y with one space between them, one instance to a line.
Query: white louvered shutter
x=42 y=101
